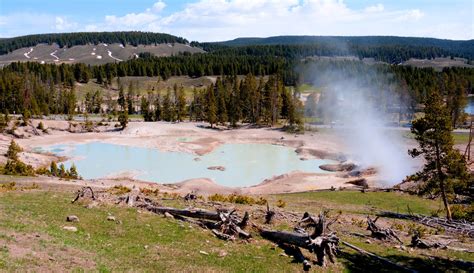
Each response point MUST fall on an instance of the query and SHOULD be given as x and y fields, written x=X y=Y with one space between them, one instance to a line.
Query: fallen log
x=416 y=241
x=454 y=226
x=203 y=214
x=364 y=252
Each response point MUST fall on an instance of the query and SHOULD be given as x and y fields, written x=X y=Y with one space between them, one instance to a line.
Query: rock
x=216 y=168
x=72 y=218
x=203 y=252
x=91 y=205
x=368 y=241
x=362 y=182
x=222 y=253
x=197 y=159
x=168 y=215
x=346 y=167
x=111 y=218
x=68 y=228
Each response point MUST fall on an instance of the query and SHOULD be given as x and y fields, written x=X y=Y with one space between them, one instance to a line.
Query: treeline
x=392 y=54
x=228 y=101
x=82 y=38
x=192 y=65
x=24 y=92
x=410 y=46
x=48 y=88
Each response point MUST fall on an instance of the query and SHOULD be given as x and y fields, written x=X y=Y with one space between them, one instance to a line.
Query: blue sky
x=212 y=20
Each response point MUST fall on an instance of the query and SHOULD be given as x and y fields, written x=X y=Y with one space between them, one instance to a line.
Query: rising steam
x=357 y=107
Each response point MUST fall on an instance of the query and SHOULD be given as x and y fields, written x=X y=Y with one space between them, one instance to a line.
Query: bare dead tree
x=82 y=193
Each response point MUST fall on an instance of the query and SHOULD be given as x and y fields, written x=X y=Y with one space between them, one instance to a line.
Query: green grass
x=149 y=242
x=461 y=138
x=143 y=85
x=307 y=88
x=358 y=202
x=119 y=247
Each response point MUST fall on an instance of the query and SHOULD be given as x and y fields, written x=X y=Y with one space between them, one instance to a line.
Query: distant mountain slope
x=92 y=54
x=457 y=48
x=84 y=38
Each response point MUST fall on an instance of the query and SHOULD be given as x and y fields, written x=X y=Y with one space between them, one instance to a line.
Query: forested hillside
x=49 y=88
x=369 y=46
x=83 y=38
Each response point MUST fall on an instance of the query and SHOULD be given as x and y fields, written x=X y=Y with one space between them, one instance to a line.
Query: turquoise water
x=246 y=164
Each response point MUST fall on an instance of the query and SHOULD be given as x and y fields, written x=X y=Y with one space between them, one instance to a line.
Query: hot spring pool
x=245 y=164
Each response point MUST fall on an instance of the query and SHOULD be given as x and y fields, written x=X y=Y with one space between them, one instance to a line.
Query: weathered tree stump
x=381 y=233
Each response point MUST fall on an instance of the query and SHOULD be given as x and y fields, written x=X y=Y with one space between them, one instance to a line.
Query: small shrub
x=417 y=229
x=436 y=213
x=11 y=186
x=237 y=199
x=72 y=173
x=261 y=201
x=217 y=198
x=53 y=169
x=89 y=126
x=42 y=171
x=16 y=167
x=463 y=212
x=119 y=190
x=150 y=192
x=398 y=226
x=172 y=195
x=40 y=126
x=33 y=186
x=281 y=203
x=13 y=150
x=358 y=222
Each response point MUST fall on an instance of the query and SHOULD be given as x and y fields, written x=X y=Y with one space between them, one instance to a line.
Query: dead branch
x=269 y=215
x=320 y=243
x=416 y=241
x=381 y=233
x=360 y=250
x=454 y=226
x=198 y=213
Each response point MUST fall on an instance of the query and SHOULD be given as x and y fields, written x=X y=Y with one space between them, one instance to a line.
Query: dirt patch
x=47 y=256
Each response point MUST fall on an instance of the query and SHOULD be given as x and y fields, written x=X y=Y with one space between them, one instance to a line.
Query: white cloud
x=63 y=24
x=213 y=20
x=414 y=14
x=158 y=6
x=375 y=8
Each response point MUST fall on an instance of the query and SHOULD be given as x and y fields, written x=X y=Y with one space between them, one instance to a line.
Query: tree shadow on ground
x=356 y=262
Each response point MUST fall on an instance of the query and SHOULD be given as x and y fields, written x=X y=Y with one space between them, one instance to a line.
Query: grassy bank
x=32 y=236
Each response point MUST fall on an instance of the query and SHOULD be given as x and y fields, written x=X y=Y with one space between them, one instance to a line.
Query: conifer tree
x=444 y=165
x=13 y=150
x=180 y=104
x=54 y=168
x=167 y=110
x=158 y=110
x=211 y=106
x=121 y=98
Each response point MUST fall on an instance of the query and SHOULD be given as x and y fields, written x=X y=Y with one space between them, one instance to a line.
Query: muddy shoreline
x=197 y=139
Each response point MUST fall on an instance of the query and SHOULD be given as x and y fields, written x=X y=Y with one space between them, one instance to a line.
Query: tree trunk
x=445 y=200
x=441 y=183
